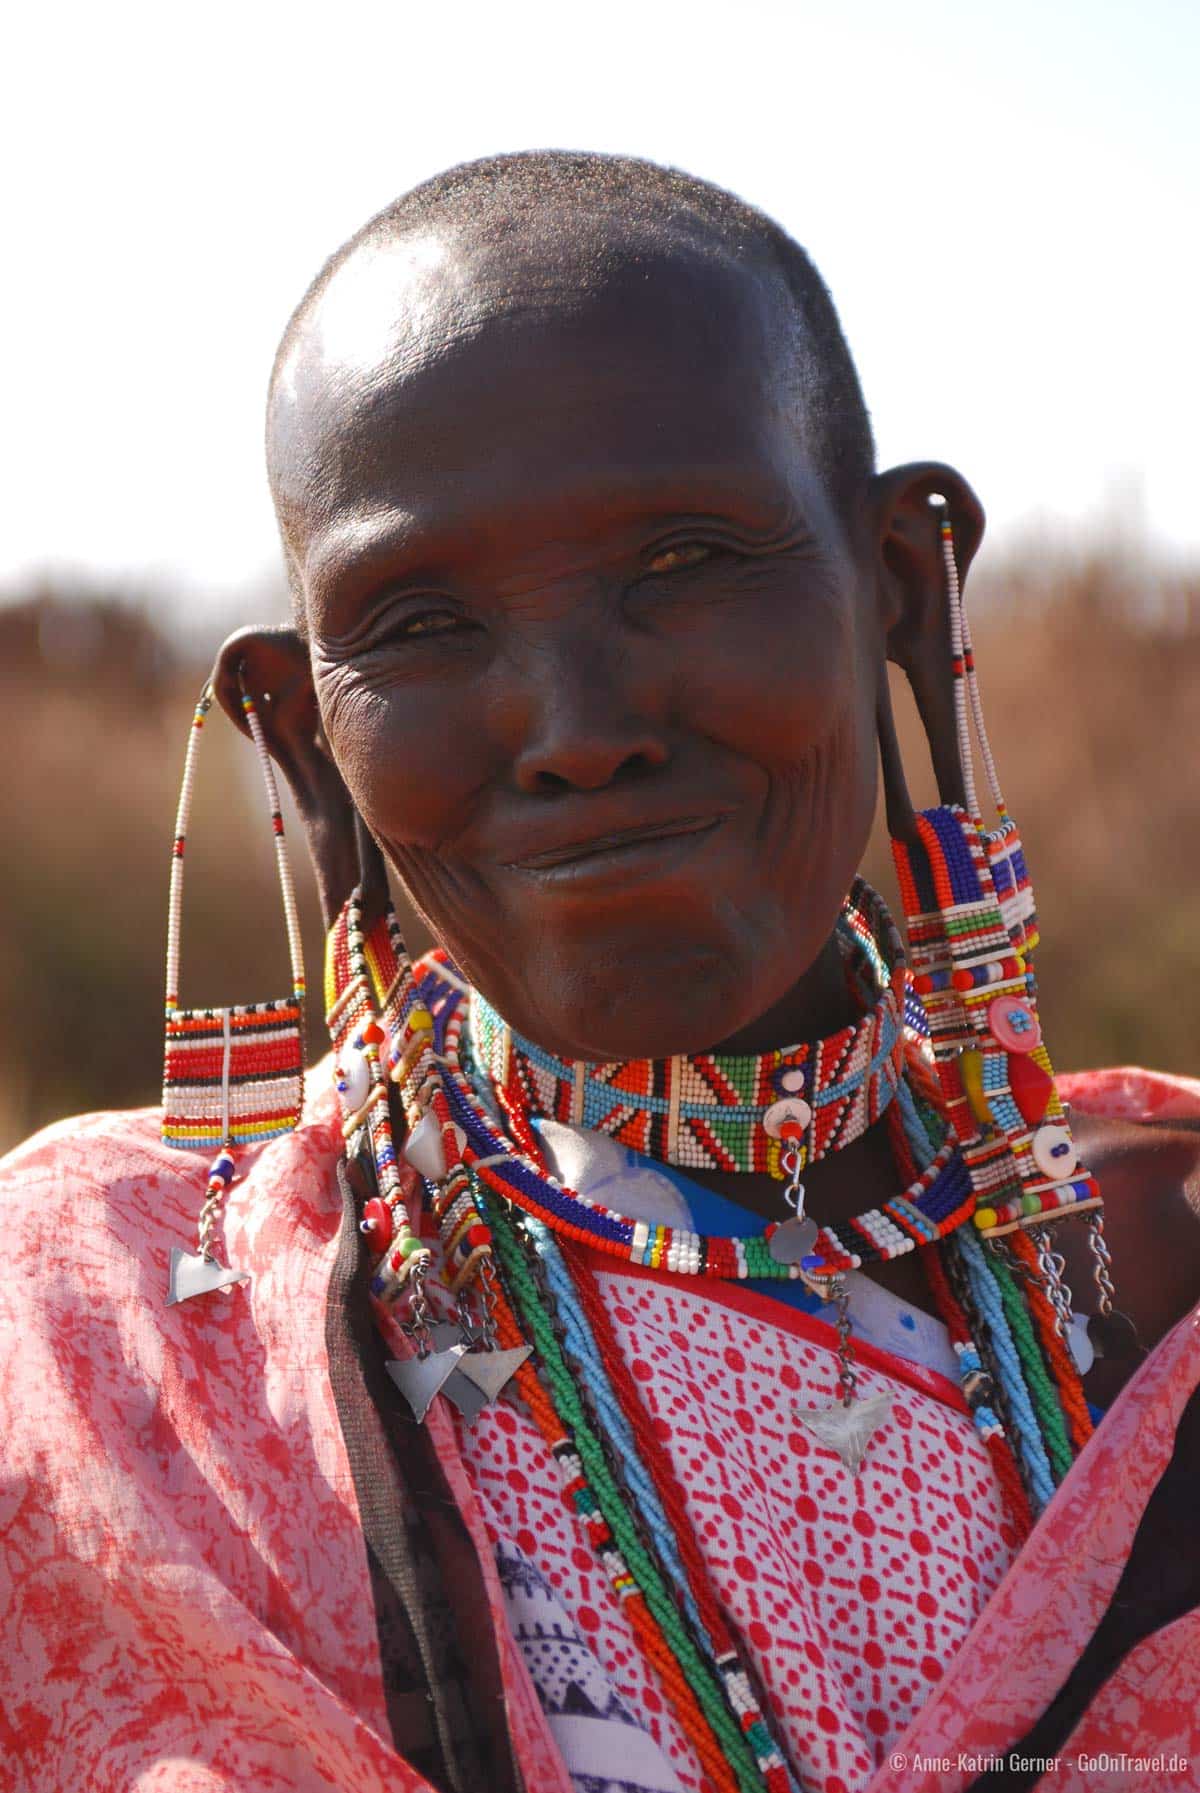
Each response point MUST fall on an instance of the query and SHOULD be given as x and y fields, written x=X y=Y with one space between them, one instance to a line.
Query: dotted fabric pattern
x=850 y=1594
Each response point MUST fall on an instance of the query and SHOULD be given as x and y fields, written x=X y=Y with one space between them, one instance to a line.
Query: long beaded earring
x=973 y=931
x=231 y=1076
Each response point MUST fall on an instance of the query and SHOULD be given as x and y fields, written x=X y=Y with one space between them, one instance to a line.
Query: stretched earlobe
x=272 y=665
x=916 y=609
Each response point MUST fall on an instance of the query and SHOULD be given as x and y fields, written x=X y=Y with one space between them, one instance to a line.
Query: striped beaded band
x=231 y=1076
x=707 y=1112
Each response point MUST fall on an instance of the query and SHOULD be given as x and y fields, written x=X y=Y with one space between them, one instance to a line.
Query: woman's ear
x=915 y=603
x=271 y=665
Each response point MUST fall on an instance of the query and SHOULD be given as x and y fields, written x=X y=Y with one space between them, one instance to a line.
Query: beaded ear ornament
x=231 y=1076
x=972 y=928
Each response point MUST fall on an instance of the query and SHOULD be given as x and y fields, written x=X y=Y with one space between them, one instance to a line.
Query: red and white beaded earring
x=231 y=1076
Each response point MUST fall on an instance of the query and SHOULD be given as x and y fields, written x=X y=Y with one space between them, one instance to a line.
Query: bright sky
x=1003 y=198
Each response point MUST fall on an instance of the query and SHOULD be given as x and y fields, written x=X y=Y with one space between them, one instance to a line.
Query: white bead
x=791 y=1081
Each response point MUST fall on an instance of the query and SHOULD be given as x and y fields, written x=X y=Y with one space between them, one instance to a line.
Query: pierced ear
x=271 y=665
x=916 y=609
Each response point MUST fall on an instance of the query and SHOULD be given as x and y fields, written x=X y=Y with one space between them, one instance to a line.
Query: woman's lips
x=629 y=853
x=614 y=841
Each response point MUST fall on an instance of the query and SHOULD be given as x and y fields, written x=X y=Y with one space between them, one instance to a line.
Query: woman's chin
x=675 y=997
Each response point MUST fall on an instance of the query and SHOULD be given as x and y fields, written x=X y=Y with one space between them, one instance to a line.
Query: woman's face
x=591 y=647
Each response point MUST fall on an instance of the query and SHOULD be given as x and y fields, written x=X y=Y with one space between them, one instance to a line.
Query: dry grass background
x=1091 y=674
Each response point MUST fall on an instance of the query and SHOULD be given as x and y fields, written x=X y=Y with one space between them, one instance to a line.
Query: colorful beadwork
x=939 y=1198
x=351 y=966
x=363 y=972
x=972 y=927
x=231 y=1076
x=715 y=1110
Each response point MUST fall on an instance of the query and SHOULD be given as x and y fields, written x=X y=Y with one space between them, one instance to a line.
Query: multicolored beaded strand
x=363 y=1089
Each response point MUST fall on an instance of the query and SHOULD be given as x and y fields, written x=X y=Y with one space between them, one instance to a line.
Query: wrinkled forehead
x=398 y=313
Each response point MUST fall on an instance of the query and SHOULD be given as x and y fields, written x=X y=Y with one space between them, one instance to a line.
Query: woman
x=611 y=1382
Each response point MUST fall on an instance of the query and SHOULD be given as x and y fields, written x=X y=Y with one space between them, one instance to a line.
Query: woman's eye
x=430 y=625
x=673 y=560
x=429 y=622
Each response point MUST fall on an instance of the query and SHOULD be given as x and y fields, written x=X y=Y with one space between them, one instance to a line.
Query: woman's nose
x=593 y=714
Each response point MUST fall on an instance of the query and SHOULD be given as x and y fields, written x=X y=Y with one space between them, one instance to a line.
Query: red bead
x=373 y=1034
x=962 y=980
x=479 y=1235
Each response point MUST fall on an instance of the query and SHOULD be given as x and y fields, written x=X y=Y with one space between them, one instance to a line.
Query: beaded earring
x=231 y=1076
x=973 y=931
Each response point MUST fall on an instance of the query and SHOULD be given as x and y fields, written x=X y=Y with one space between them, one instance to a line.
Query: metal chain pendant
x=849 y=1427
x=202 y=1272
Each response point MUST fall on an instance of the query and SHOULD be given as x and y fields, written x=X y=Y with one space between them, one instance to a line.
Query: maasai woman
x=650 y=1363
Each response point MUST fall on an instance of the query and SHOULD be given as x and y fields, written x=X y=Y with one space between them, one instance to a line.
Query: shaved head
x=550 y=232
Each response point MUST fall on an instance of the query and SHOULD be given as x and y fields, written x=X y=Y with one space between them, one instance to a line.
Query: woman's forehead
x=442 y=370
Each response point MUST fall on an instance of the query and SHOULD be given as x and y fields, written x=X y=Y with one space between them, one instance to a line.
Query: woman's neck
x=818 y=1004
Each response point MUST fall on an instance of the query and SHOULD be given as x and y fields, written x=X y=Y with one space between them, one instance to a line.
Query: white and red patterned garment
x=850 y=1593
x=189 y=1551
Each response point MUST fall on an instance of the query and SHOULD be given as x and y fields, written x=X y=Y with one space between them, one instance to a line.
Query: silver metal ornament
x=193 y=1274
x=848 y=1428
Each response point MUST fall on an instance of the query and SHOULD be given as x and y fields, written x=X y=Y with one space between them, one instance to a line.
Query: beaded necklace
x=851 y=1079
x=725 y=1111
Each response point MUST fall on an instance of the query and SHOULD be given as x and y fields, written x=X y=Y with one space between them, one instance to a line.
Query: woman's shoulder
x=1133 y=1093
x=1138 y=1132
x=109 y=1182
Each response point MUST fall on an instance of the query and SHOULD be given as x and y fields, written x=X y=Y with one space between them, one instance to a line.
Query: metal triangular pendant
x=419 y=1379
x=491 y=1371
x=847 y=1430
x=466 y=1396
x=192 y=1274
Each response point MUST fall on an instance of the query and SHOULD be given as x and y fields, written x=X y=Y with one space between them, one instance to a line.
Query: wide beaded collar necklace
x=721 y=1111
x=773 y=1123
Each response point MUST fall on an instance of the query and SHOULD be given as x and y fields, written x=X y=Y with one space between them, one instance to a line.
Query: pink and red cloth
x=190 y=1550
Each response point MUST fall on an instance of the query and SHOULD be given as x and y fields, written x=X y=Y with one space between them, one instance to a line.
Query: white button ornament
x=1054 y=1152
x=354 y=1077
x=792 y=1081
x=788 y=1108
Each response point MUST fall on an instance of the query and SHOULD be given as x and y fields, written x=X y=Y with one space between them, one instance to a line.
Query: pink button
x=1014 y=1024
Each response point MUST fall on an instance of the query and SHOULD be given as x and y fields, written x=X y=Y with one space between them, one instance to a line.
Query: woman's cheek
x=395 y=750
x=776 y=700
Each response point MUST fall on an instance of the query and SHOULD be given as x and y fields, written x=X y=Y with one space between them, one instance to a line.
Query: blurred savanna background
x=995 y=197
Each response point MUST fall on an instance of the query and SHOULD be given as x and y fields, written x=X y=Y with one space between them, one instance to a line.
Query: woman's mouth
x=646 y=850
